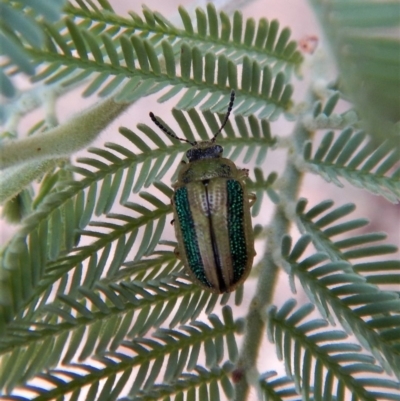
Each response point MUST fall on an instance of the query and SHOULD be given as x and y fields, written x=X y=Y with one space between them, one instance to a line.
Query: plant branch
x=63 y=140
x=15 y=179
x=255 y=319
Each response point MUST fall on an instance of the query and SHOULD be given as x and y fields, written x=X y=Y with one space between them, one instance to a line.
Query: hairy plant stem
x=27 y=159
x=65 y=139
x=280 y=224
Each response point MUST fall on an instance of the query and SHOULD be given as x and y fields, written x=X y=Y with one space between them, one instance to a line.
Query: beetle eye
x=220 y=149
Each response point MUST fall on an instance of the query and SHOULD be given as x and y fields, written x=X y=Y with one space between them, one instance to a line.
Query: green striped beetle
x=212 y=218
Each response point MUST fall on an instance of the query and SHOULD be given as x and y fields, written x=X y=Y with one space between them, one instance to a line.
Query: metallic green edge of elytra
x=189 y=236
x=237 y=237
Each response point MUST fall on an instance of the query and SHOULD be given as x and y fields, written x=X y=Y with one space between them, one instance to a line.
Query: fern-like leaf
x=335 y=286
x=136 y=72
x=215 y=33
x=368 y=166
x=322 y=223
x=179 y=349
x=319 y=360
x=16 y=26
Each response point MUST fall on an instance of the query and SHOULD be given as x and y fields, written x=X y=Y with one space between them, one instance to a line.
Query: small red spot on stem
x=308 y=44
x=237 y=375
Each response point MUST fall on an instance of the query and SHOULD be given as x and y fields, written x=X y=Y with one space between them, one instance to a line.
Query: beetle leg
x=243 y=173
x=176 y=252
x=252 y=199
x=172 y=222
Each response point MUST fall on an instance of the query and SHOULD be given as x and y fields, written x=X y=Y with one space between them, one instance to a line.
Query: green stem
x=280 y=224
x=15 y=179
x=63 y=140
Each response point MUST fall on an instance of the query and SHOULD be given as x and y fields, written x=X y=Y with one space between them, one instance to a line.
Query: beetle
x=212 y=220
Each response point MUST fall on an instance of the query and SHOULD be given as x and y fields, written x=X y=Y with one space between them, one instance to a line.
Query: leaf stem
x=280 y=224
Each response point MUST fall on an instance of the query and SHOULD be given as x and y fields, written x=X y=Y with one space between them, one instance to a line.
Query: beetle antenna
x=228 y=112
x=166 y=130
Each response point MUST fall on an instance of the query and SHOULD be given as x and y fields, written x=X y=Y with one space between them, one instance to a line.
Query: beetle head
x=203 y=149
